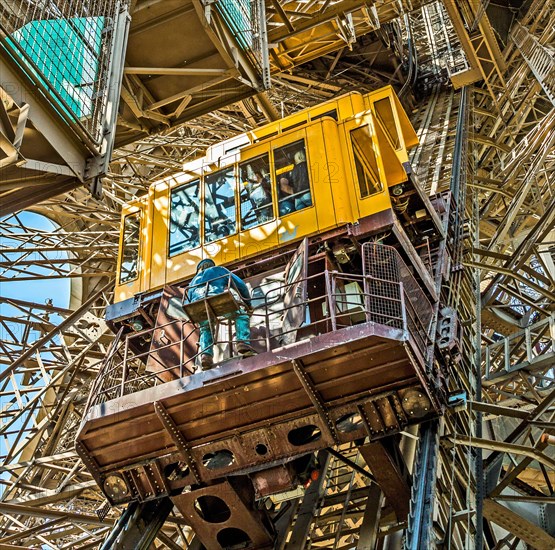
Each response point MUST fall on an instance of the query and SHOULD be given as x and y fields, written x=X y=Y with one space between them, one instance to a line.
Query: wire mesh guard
x=65 y=46
x=393 y=296
x=383 y=295
x=246 y=20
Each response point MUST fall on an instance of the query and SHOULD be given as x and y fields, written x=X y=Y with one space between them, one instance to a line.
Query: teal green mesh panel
x=65 y=47
x=244 y=18
x=66 y=56
x=238 y=16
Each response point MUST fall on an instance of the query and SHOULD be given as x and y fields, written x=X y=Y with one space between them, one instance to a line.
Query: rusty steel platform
x=251 y=413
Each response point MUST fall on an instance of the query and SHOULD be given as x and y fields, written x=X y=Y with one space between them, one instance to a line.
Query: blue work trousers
x=242 y=332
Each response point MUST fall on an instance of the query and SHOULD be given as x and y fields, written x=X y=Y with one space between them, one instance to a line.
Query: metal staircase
x=419 y=533
x=338 y=504
x=138 y=526
x=540 y=58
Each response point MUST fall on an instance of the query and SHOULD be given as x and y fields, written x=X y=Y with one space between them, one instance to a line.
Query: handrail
x=523 y=349
x=345 y=299
x=537 y=56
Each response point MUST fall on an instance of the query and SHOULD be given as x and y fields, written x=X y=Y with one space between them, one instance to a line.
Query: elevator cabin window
x=365 y=162
x=292 y=180
x=219 y=205
x=385 y=114
x=184 y=218
x=129 y=270
x=255 y=192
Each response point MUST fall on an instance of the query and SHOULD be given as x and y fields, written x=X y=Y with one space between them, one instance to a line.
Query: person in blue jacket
x=210 y=280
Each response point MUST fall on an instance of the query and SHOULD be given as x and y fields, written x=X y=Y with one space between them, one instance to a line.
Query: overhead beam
x=518 y=525
x=315 y=19
x=168 y=71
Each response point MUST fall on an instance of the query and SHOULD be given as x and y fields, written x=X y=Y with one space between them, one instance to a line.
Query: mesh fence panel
x=391 y=297
x=387 y=271
x=383 y=292
x=65 y=46
x=245 y=19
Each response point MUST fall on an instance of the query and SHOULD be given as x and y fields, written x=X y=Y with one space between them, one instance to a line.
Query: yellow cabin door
x=158 y=234
x=328 y=178
x=364 y=166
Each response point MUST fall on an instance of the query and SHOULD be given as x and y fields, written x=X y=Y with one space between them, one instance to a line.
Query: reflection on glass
x=184 y=218
x=293 y=184
x=365 y=162
x=219 y=205
x=385 y=114
x=129 y=270
x=255 y=192
x=295 y=269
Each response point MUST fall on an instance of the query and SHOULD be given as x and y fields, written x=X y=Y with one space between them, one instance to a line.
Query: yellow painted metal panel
x=374 y=203
x=349 y=172
x=345 y=106
x=465 y=78
x=350 y=104
x=148 y=244
x=407 y=129
x=224 y=250
x=389 y=159
x=184 y=265
x=332 y=203
x=158 y=197
x=258 y=239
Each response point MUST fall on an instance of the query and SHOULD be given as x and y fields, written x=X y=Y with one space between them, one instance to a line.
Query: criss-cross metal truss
x=494 y=145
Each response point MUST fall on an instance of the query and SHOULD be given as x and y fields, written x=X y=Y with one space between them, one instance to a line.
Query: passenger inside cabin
x=260 y=194
x=294 y=186
x=256 y=193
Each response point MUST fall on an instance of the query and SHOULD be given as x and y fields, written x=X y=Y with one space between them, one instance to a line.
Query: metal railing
x=539 y=58
x=532 y=349
x=389 y=296
x=124 y=370
x=384 y=266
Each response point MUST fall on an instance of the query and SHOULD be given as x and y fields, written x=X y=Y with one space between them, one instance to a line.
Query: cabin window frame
x=331 y=113
x=397 y=143
x=235 y=195
x=379 y=185
x=198 y=182
x=124 y=246
x=291 y=141
x=273 y=196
